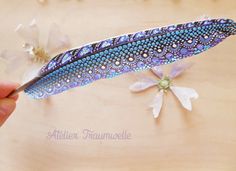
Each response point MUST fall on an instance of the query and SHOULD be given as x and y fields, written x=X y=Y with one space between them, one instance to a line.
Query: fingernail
x=5 y=108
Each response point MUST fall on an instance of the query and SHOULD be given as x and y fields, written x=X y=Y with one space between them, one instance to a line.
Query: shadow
x=46 y=105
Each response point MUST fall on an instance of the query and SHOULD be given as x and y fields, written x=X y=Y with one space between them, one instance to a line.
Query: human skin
x=7 y=105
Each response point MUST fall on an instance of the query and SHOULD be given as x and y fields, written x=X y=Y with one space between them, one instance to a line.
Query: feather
x=126 y=53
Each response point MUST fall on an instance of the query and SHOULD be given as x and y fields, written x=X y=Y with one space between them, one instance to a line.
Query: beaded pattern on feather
x=126 y=53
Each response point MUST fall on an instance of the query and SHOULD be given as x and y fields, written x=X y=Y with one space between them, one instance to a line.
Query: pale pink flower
x=204 y=17
x=42 y=2
x=183 y=94
x=34 y=53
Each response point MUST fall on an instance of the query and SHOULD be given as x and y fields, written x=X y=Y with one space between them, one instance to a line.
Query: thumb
x=7 y=106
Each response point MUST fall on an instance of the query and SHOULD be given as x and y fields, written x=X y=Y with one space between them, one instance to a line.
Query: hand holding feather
x=126 y=53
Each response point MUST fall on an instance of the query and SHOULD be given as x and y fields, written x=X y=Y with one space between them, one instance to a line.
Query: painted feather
x=126 y=53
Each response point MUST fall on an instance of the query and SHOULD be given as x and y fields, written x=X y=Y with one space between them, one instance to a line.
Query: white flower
x=183 y=94
x=34 y=54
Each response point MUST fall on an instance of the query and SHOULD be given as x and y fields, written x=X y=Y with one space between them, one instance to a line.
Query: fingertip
x=15 y=97
x=7 y=106
x=6 y=88
x=9 y=84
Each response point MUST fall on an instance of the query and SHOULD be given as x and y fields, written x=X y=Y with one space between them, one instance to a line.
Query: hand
x=7 y=105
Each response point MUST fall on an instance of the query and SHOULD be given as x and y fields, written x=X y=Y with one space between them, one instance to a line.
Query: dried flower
x=183 y=94
x=34 y=54
x=42 y=2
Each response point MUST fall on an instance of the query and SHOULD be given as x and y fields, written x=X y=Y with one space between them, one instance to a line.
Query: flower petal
x=204 y=17
x=57 y=41
x=9 y=55
x=143 y=84
x=157 y=71
x=178 y=68
x=43 y=2
x=185 y=95
x=30 y=34
x=157 y=104
x=31 y=72
x=14 y=60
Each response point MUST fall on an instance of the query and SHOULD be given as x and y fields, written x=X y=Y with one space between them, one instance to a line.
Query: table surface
x=203 y=139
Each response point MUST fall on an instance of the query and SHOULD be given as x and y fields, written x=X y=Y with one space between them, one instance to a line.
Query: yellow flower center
x=164 y=83
x=40 y=55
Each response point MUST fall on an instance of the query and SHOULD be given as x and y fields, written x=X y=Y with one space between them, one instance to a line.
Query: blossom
x=34 y=53
x=42 y=2
x=164 y=84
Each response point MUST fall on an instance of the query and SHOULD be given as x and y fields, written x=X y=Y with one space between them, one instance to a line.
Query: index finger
x=6 y=88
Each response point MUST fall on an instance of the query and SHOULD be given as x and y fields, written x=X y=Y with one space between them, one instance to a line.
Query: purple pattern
x=131 y=52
